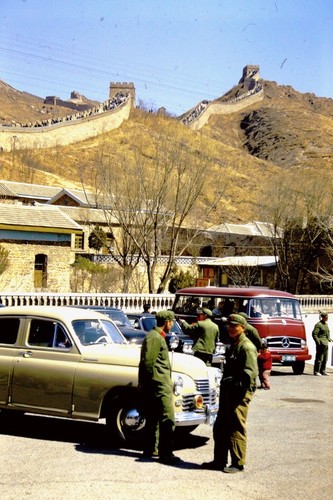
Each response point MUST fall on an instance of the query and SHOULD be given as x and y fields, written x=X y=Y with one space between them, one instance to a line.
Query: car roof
x=101 y=308
x=55 y=312
x=215 y=291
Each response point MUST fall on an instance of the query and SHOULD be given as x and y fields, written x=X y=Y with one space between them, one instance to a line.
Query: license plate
x=288 y=357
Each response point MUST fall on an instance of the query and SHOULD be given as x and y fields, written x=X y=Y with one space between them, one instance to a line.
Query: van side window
x=9 y=328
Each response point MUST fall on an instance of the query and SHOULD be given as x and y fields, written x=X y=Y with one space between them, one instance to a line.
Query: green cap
x=237 y=319
x=323 y=313
x=246 y=316
x=165 y=315
x=204 y=310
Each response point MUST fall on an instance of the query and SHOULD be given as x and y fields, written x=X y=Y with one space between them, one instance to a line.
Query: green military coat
x=241 y=366
x=154 y=367
x=321 y=334
x=253 y=335
x=204 y=334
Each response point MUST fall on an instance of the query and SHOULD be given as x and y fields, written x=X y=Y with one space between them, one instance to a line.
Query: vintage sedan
x=75 y=363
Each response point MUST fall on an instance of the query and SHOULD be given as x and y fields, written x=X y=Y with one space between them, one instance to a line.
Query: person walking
x=204 y=333
x=238 y=385
x=155 y=385
x=321 y=336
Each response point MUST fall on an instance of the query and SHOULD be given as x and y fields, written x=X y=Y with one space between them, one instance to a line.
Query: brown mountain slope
x=22 y=107
x=243 y=153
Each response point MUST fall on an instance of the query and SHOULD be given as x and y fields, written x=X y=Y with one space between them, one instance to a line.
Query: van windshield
x=270 y=307
x=261 y=307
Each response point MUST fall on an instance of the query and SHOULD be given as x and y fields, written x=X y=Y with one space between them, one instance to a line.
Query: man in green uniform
x=155 y=385
x=237 y=387
x=204 y=333
x=321 y=336
x=251 y=332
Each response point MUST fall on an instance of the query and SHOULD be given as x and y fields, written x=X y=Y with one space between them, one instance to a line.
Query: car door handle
x=27 y=354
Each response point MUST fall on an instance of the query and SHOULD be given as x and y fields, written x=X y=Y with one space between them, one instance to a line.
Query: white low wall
x=310 y=320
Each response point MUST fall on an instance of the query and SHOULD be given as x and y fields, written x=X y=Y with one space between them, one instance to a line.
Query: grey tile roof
x=84 y=215
x=40 y=216
x=249 y=229
x=25 y=190
x=83 y=197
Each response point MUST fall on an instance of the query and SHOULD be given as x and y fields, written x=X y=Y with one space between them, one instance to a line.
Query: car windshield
x=96 y=331
x=148 y=323
x=118 y=317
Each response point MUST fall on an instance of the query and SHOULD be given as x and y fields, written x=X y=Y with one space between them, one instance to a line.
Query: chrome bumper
x=206 y=416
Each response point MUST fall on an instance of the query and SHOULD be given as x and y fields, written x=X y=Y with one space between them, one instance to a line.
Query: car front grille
x=208 y=394
x=283 y=342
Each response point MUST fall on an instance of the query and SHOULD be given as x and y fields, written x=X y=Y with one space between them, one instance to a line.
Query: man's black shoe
x=233 y=469
x=169 y=459
x=213 y=465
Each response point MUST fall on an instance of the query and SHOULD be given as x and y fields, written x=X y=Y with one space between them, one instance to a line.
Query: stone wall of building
x=20 y=274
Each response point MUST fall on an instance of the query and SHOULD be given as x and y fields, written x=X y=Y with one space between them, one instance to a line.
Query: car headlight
x=220 y=348
x=187 y=348
x=303 y=343
x=178 y=386
x=173 y=342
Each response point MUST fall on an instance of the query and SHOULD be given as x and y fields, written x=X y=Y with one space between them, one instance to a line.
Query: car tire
x=298 y=367
x=125 y=420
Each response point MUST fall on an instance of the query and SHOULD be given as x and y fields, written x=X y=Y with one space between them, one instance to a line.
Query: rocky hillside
x=244 y=151
x=22 y=107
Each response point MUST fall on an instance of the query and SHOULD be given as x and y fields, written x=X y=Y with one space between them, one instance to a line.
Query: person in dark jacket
x=204 y=333
x=238 y=385
x=321 y=336
x=155 y=385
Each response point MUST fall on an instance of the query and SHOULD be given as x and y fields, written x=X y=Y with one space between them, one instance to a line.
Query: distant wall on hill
x=222 y=108
x=62 y=133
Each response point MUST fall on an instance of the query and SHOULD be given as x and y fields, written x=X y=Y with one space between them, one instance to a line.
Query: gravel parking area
x=290 y=431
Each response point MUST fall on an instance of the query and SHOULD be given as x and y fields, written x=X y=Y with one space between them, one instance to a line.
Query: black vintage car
x=134 y=330
x=147 y=321
x=132 y=335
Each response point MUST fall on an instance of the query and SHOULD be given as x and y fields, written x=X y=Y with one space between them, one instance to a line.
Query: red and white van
x=275 y=314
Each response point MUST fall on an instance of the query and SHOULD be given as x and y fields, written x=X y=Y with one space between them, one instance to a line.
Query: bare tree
x=155 y=191
x=299 y=215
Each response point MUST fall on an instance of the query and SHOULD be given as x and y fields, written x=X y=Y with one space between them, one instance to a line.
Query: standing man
x=251 y=332
x=321 y=336
x=156 y=386
x=237 y=387
x=146 y=309
x=204 y=333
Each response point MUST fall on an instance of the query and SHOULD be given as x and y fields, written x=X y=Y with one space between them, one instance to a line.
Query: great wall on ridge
x=95 y=120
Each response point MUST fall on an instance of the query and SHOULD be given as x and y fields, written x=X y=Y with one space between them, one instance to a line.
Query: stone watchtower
x=122 y=87
x=251 y=71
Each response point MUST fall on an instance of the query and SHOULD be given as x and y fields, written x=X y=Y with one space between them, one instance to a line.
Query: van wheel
x=298 y=367
x=125 y=420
